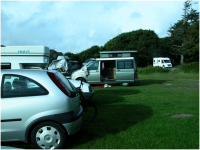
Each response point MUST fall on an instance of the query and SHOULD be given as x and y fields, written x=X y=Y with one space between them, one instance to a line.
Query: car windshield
x=167 y=61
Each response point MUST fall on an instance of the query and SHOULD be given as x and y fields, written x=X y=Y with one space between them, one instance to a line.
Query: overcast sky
x=74 y=26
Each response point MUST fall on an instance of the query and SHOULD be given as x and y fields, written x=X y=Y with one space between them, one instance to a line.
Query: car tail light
x=136 y=73
x=58 y=84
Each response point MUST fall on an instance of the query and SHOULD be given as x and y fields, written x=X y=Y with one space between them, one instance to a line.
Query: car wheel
x=48 y=135
x=79 y=79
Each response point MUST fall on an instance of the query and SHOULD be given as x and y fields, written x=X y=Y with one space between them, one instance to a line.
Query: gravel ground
x=172 y=70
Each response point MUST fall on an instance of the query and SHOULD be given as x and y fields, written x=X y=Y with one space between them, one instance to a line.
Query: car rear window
x=66 y=83
x=17 y=85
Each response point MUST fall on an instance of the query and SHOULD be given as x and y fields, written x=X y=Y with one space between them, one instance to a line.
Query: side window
x=17 y=86
x=93 y=65
x=5 y=65
x=125 y=64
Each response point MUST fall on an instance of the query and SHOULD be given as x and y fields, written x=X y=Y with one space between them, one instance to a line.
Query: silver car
x=38 y=106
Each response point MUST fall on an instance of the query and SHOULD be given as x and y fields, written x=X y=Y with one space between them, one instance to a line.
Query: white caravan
x=33 y=57
x=24 y=57
x=162 y=62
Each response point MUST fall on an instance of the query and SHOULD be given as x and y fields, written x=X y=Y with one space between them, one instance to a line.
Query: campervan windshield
x=166 y=61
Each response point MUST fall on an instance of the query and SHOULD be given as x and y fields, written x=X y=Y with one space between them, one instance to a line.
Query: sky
x=74 y=26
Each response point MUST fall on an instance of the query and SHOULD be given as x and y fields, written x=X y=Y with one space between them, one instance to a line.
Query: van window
x=115 y=55
x=93 y=65
x=125 y=64
x=17 y=86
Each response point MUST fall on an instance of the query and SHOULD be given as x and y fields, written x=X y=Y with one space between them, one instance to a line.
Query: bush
x=190 y=67
x=150 y=70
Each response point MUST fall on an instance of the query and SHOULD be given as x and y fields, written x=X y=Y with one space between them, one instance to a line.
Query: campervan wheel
x=81 y=79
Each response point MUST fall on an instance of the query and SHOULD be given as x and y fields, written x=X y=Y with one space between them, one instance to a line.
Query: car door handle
x=118 y=70
x=97 y=71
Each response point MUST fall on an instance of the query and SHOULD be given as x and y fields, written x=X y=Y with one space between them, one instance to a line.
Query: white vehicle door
x=93 y=72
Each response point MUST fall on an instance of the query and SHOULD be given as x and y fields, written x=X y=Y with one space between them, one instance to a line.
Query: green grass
x=190 y=67
x=139 y=116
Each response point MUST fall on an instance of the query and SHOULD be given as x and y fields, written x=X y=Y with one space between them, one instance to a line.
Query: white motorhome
x=164 y=62
x=24 y=57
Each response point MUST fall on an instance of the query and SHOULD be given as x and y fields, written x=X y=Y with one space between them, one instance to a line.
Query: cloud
x=74 y=26
x=135 y=15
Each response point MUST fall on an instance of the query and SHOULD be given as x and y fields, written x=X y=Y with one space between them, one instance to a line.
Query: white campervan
x=114 y=67
x=162 y=62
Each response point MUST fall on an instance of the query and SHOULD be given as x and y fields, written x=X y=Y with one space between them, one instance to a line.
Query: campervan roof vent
x=113 y=54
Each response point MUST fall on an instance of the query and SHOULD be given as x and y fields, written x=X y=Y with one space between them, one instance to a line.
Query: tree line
x=181 y=44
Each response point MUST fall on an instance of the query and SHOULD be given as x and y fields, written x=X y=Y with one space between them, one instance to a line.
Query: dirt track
x=172 y=70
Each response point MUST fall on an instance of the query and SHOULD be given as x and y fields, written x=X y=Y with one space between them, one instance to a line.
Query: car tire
x=48 y=135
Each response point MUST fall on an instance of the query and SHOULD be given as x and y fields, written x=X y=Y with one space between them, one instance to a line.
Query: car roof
x=26 y=70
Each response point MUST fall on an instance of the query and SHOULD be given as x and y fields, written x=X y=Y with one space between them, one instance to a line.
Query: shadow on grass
x=115 y=114
x=14 y=145
x=112 y=95
x=112 y=119
x=149 y=82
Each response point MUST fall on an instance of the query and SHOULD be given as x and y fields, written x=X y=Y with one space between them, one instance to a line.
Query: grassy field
x=160 y=112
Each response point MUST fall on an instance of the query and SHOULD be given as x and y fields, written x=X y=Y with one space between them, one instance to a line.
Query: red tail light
x=58 y=84
x=136 y=73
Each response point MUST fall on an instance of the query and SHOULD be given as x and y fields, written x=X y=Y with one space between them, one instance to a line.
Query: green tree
x=177 y=35
x=70 y=55
x=60 y=53
x=144 y=41
x=191 y=42
x=92 y=52
x=164 y=47
x=177 y=32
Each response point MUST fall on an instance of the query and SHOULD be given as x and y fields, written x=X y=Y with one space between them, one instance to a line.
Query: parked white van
x=109 y=70
x=162 y=62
